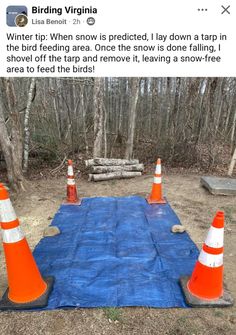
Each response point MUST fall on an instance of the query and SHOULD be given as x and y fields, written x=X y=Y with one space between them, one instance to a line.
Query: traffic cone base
x=76 y=203
x=42 y=301
x=154 y=201
x=225 y=300
x=72 y=197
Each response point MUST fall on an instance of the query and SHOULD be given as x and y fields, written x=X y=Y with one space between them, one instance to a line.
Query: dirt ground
x=195 y=208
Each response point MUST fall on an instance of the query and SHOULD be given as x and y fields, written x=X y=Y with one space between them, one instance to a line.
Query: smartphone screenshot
x=117 y=167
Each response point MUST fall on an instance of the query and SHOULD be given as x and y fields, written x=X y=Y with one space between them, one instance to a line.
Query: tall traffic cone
x=72 y=197
x=27 y=288
x=205 y=286
x=156 y=195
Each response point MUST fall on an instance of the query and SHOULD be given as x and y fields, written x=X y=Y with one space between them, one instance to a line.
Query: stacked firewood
x=111 y=168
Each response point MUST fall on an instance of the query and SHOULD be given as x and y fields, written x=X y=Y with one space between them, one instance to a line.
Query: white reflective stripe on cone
x=7 y=213
x=215 y=237
x=158 y=169
x=70 y=170
x=157 y=180
x=212 y=261
x=70 y=181
x=12 y=235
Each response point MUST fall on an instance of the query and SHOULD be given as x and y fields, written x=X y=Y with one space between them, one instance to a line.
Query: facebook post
x=117 y=167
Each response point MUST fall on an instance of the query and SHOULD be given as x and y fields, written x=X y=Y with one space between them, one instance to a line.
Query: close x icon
x=225 y=9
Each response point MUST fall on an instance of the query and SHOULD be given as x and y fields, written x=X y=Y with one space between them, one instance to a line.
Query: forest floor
x=195 y=208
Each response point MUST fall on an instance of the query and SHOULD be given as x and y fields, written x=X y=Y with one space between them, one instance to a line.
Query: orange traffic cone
x=156 y=195
x=72 y=197
x=27 y=288
x=205 y=286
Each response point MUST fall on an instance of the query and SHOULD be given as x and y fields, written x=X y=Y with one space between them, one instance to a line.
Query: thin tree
x=98 y=106
x=11 y=137
x=134 y=90
x=26 y=124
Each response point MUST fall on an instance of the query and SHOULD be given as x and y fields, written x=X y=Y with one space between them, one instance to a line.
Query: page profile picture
x=17 y=16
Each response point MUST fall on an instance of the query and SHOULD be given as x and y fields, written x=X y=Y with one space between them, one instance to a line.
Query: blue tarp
x=116 y=252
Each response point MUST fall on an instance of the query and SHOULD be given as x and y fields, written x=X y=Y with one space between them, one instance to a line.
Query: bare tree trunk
x=220 y=102
x=26 y=125
x=12 y=149
x=83 y=110
x=105 y=133
x=202 y=92
x=98 y=116
x=233 y=130
x=132 y=117
x=154 y=106
x=229 y=112
x=168 y=104
x=175 y=112
x=60 y=108
x=6 y=147
x=232 y=163
x=53 y=89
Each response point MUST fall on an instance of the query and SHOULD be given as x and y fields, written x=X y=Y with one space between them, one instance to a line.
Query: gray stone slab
x=223 y=186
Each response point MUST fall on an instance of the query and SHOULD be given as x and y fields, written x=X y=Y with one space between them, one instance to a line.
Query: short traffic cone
x=72 y=197
x=27 y=288
x=156 y=195
x=205 y=286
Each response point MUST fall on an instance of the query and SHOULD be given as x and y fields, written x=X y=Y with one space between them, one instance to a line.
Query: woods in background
x=186 y=121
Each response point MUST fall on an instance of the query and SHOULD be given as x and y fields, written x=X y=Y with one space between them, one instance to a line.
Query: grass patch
x=219 y=314
x=113 y=314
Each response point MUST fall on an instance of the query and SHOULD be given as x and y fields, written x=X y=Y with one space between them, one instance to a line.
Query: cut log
x=89 y=162
x=114 y=175
x=110 y=161
x=104 y=169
